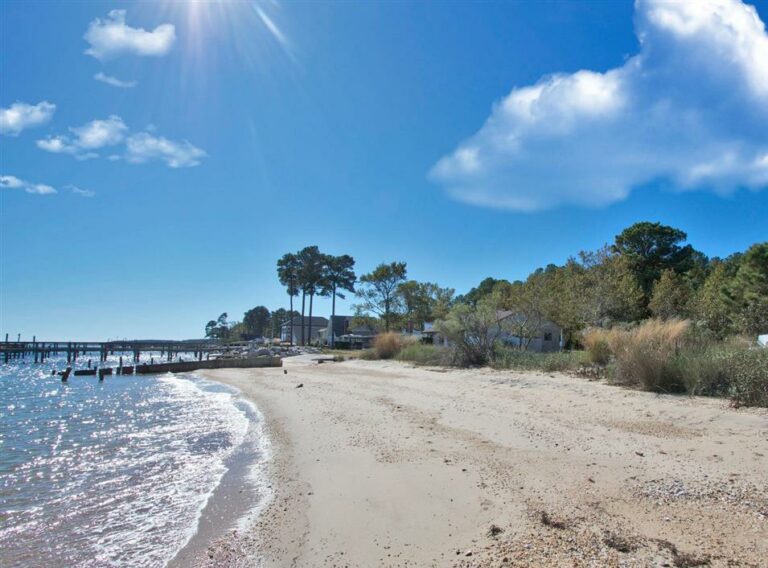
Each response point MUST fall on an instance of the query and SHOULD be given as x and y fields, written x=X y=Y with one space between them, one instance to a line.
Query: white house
x=547 y=336
x=546 y=339
x=312 y=327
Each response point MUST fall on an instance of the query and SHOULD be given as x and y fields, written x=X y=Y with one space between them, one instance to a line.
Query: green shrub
x=704 y=371
x=422 y=354
x=749 y=377
x=511 y=358
x=368 y=355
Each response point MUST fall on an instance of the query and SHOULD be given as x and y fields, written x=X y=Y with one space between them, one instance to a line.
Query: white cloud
x=114 y=81
x=86 y=138
x=81 y=192
x=12 y=182
x=143 y=147
x=111 y=37
x=20 y=116
x=57 y=145
x=691 y=109
x=40 y=189
x=99 y=133
x=112 y=132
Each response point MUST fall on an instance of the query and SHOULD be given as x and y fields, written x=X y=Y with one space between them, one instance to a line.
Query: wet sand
x=385 y=464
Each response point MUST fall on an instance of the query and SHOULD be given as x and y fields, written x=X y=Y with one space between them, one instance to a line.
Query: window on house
x=548 y=336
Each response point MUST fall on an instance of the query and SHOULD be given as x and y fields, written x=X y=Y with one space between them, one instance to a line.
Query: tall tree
x=750 y=289
x=288 y=274
x=711 y=306
x=311 y=263
x=652 y=248
x=218 y=328
x=378 y=290
x=483 y=290
x=671 y=296
x=222 y=325
x=256 y=321
x=424 y=301
x=338 y=276
x=607 y=290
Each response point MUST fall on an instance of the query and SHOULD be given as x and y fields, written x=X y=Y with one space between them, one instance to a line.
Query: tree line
x=256 y=323
x=648 y=271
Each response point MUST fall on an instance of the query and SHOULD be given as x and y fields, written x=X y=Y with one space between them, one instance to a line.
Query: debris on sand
x=548 y=521
x=618 y=542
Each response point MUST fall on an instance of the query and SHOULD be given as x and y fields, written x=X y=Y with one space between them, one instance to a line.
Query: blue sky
x=192 y=144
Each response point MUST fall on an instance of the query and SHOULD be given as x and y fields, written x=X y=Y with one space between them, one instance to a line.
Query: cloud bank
x=12 y=182
x=111 y=37
x=690 y=109
x=114 y=81
x=20 y=116
x=140 y=147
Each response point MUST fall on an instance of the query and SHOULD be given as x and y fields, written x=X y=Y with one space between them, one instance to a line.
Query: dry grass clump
x=597 y=345
x=645 y=355
x=388 y=345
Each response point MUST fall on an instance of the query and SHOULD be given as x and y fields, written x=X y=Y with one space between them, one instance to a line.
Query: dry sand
x=385 y=464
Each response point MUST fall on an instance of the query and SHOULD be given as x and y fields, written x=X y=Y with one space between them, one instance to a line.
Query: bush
x=368 y=355
x=645 y=355
x=749 y=377
x=473 y=332
x=422 y=354
x=596 y=343
x=511 y=358
x=388 y=345
x=704 y=371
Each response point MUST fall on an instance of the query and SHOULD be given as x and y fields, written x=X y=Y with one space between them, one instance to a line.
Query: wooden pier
x=39 y=351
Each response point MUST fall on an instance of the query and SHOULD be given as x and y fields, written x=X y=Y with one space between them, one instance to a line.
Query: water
x=114 y=473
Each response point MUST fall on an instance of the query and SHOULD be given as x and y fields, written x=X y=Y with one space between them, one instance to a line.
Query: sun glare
x=247 y=29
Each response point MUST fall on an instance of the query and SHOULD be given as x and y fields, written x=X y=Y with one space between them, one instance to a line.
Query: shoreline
x=242 y=492
x=385 y=464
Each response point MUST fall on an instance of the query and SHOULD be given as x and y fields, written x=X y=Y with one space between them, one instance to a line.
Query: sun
x=248 y=29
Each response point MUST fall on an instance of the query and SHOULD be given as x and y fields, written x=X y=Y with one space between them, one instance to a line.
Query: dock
x=39 y=351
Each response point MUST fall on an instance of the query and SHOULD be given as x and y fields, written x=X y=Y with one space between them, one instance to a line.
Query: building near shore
x=543 y=337
x=346 y=334
x=312 y=327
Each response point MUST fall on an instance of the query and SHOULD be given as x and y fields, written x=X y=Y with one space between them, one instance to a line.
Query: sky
x=157 y=158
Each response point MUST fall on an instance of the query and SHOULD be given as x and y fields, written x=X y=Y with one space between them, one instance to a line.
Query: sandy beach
x=386 y=464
